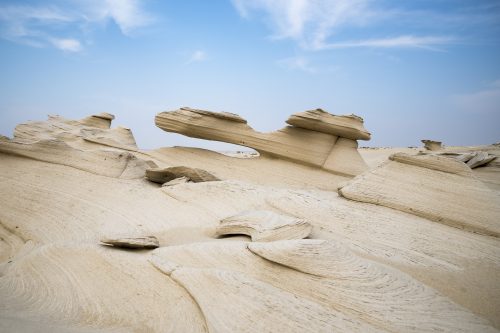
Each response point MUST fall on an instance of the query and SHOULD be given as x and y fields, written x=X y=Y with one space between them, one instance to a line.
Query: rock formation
x=390 y=256
x=437 y=188
x=432 y=145
x=315 y=137
x=264 y=226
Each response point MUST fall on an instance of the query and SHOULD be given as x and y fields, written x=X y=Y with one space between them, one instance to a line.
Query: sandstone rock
x=264 y=226
x=109 y=163
x=331 y=285
x=101 y=120
x=161 y=176
x=94 y=129
x=481 y=158
x=306 y=142
x=433 y=187
x=349 y=127
x=432 y=145
x=146 y=242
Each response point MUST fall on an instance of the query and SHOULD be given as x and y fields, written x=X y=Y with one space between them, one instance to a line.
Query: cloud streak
x=319 y=24
x=61 y=24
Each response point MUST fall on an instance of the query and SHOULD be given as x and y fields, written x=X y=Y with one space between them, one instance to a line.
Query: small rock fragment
x=146 y=242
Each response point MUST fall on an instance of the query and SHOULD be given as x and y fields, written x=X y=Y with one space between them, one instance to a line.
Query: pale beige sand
x=365 y=267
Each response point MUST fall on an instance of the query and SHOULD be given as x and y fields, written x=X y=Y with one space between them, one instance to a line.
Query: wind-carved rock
x=315 y=137
x=432 y=145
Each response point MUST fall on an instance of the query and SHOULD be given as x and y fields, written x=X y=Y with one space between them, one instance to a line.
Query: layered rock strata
x=264 y=226
x=434 y=187
x=315 y=137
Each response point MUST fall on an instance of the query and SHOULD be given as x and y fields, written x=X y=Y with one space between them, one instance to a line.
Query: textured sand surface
x=429 y=263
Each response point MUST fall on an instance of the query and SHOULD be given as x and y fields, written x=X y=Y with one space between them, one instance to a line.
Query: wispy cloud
x=51 y=23
x=67 y=44
x=422 y=42
x=197 y=56
x=319 y=24
x=483 y=101
x=297 y=63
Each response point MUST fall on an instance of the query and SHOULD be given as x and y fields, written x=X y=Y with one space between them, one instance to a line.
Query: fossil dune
x=313 y=235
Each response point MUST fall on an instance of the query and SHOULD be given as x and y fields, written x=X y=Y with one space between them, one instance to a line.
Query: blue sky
x=412 y=69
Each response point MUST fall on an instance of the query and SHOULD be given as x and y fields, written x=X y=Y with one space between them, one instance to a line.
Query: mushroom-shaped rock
x=146 y=242
x=432 y=145
x=161 y=176
x=349 y=127
x=311 y=142
x=264 y=226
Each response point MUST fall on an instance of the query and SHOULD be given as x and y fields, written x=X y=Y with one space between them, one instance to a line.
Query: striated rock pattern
x=437 y=188
x=315 y=137
x=146 y=242
x=349 y=127
x=165 y=175
x=264 y=226
x=65 y=185
x=88 y=144
x=332 y=287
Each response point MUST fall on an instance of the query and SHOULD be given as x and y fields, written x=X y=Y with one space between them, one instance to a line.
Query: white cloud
x=68 y=45
x=483 y=101
x=197 y=56
x=313 y=23
x=42 y=25
x=423 y=42
x=297 y=63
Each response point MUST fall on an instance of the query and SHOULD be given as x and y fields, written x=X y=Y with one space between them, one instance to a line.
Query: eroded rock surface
x=312 y=139
x=437 y=188
x=264 y=226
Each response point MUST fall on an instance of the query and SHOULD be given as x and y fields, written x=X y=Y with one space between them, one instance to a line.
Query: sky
x=419 y=69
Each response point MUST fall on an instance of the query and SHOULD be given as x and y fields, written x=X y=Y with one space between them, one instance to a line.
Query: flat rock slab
x=433 y=187
x=161 y=176
x=264 y=226
x=146 y=242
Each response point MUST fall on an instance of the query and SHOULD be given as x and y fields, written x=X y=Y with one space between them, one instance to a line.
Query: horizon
x=426 y=70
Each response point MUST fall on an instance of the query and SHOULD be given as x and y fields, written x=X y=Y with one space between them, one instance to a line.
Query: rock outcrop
x=88 y=144
x=264 y=226
x=315 y=137
x=434 y=187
